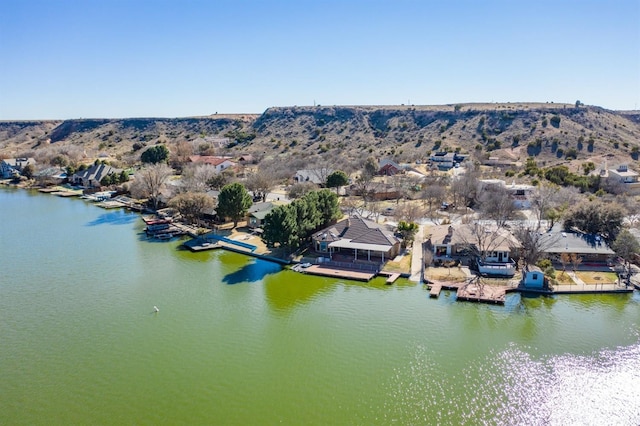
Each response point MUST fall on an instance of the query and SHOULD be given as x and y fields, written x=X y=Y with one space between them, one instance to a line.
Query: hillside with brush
x=553 y=133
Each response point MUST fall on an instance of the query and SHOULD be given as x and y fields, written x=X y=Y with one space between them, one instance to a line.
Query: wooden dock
x=435 y=290
x=472 y=292
x=339 y=273
x=391 y=276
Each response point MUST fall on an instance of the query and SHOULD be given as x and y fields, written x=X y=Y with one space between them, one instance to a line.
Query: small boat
x=165 y=236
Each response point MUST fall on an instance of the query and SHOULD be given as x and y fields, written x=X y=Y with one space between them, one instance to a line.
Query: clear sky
x=140 y=58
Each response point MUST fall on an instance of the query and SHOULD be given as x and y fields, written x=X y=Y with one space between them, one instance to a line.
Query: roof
x=576 y=242
x=209 y=159
x=463 y=234
x=19 y=162
x=97 y=172
x=260 y=210
x=312 y=175
x=356 y=232
x=387 y=162
x=533 y=268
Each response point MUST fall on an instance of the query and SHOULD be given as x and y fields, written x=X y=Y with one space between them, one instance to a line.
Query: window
x=535 y=277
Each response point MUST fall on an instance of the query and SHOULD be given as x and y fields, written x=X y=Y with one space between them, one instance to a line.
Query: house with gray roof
x=593 y=250
x=358 y=239
x=91 y=177
x=257 y=212
x=11 y=167
x=317 y=176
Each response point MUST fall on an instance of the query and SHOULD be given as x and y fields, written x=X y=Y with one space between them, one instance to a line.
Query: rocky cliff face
x=552 y=132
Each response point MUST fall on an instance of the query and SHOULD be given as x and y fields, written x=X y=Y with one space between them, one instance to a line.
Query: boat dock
x=472 y=291
x=392 y=278
x=340 y=273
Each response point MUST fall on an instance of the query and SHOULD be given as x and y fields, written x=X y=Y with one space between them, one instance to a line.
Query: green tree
x=123 y=177
x=156 y=154
x=233 y=202
x=308 y=217
x=328 y=207
x=219 y=180
x=280 y=227
x=108 y=180
x=596 y=217
x=337 y=179
x=408 y=231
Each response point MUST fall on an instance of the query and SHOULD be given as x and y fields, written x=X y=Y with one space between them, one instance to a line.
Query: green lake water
x=240 y=341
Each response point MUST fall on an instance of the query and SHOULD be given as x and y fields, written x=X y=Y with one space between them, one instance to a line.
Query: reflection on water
x=115 y=217
x=511 y=387
x=253 y=270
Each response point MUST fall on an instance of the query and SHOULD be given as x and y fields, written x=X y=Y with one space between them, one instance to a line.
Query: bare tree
x=408 y=212
x=533 y=244
x=496 y=204
x=482 y=239
x=298 y=190
x=192 y=205
x=261 y=182
x=433 y=195
x=544 y=199
x=196 y=177
x=150 y=181
x=575 y=261
x=464 y=188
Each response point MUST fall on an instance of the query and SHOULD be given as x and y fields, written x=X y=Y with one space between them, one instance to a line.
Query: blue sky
x=138 y=58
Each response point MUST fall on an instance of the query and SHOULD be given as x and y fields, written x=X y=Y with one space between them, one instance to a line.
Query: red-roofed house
x=220 y=163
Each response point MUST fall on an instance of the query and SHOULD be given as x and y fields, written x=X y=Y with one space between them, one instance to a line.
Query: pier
x=472 y=291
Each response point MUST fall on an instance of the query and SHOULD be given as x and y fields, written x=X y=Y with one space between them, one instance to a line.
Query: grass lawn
x=445 y=274
x=403 y=265
x=564 y=278
x=590 y=277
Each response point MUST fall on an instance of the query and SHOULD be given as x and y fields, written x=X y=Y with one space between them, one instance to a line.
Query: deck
x=340 y=273
x=472 y=292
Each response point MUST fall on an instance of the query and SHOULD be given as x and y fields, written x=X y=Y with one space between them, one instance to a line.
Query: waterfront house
x=257 y=212
x=592 y=249
x=91 y=177
x=486 y=247
x=12 y=167
x=357 y=238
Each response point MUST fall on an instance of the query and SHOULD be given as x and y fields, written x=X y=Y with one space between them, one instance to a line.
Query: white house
x=317 y=176
x=492 y=247
x=219 y=163
x=628 y=178
x=522 y=195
